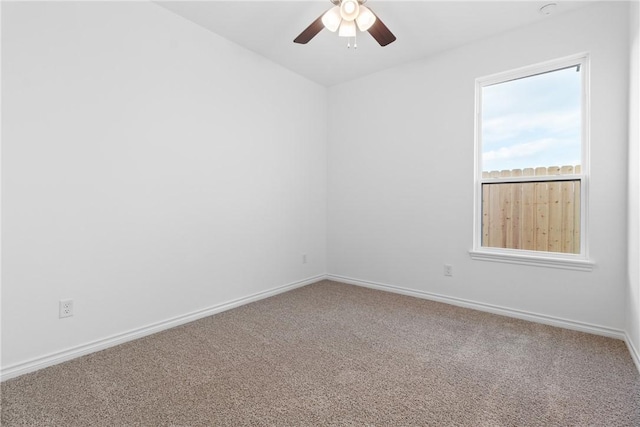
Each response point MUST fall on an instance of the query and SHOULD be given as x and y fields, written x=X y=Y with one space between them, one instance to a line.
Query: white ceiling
x=423 y=28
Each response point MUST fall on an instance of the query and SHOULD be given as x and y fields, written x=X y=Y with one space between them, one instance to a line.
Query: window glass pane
x=532 y=122
x=534 y=216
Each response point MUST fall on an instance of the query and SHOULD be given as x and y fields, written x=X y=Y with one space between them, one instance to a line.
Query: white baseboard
x=495 y=309
x=635 y=355
x=101 y=344
x=35 y=364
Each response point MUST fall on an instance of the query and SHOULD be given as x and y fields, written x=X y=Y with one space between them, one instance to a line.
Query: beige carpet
x=334 y=354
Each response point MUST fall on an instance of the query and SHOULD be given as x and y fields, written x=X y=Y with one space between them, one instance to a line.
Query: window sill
x=531 y=259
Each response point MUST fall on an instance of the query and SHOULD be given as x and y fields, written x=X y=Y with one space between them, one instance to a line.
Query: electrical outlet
x=448 y=270
x=66 y=308
x=304 y=258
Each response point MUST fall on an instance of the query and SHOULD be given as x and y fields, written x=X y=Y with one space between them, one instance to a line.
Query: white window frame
x=569 y=261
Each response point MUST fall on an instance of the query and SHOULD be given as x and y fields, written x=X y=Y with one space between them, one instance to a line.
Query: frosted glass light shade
x=331 y=19
x=349 y=9
x=347 y=29
x=365 y=19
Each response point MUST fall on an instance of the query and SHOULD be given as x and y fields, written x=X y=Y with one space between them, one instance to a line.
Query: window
x=532 y=167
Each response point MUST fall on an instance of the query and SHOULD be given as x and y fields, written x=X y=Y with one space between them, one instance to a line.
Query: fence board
x=516 y=212
x=528 y=217
x=568 y=200
x=541 y=238
x=495 y=225
x=486 y=195
x=576 y=220
x=555 y=212
x=505 y=211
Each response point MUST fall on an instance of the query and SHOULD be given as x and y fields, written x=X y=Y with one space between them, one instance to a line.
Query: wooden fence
x=539 y=216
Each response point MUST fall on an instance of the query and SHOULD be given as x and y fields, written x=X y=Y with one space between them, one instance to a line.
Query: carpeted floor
x=335 y=354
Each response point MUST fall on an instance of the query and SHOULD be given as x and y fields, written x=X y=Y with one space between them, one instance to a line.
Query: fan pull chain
x=355 y=42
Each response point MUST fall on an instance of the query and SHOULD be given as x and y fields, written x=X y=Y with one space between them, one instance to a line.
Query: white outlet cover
x=66 y=308
x=448 y=270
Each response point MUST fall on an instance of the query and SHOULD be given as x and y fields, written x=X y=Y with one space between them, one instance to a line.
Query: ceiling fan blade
x=310 y=32
x=381 y=33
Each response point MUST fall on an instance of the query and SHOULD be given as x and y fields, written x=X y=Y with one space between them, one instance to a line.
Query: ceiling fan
x=344 y=17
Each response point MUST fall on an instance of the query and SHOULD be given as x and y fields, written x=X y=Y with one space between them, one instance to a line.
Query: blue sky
x=532 y=122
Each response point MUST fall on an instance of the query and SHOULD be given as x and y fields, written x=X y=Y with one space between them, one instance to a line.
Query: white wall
x=400 y=174
x=150 y=169
x=633 y=297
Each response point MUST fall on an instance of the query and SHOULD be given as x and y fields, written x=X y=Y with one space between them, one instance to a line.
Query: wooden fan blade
x=381 y=33
x=310 y=32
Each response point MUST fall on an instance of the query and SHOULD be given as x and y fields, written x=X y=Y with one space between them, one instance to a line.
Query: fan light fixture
x=349 y=9
x=347 y=17
x=347 y=29
x=331 y=19
x=365 y=18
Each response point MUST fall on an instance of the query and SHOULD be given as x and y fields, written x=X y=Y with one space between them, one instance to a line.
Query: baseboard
x=101 y=344
x=495 y=309
x=635 y=355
